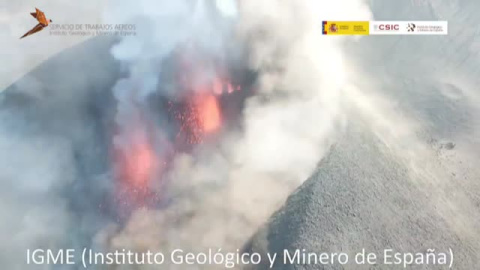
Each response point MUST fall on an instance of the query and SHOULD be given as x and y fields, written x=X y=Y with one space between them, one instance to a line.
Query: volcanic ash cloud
x=223 y=192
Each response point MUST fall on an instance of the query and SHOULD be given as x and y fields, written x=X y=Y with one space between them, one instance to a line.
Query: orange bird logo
x=42 y=22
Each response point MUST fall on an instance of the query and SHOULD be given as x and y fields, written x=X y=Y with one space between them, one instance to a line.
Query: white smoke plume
x=222 y=193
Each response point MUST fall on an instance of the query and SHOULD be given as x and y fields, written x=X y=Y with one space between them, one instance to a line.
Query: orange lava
x=140 y=164
x=138 y=161
x=209 y=115
x=217 y=86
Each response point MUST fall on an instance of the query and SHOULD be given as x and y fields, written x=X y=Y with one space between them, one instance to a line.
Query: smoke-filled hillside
x=404 y=175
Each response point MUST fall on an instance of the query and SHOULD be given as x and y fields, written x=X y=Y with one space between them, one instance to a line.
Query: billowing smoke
x=55 y=186
x=222 y=191
x=218 y=193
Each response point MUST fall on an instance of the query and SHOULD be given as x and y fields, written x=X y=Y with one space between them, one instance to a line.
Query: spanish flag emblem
x=345 y=28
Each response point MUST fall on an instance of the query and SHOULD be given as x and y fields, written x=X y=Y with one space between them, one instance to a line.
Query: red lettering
x=389 y=27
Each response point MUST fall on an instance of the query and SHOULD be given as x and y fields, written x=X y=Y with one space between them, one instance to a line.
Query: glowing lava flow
x=200 y=115
x=140 y=161
x=194 y=116
x=209 y=115
x=137 y=165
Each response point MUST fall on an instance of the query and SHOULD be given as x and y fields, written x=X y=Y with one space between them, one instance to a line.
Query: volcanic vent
x=205 y=99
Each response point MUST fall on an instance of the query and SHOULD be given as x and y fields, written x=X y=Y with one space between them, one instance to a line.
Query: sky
x=19 y=56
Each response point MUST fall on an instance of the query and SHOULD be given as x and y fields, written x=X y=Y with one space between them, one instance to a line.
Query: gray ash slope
x=405 y=174
x=364 y=196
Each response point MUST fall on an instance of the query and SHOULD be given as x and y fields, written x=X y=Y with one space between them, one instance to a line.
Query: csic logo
x=387 y=27
x=411 y=27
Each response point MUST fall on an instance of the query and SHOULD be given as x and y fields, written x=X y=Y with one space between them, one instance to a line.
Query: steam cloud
x=222 y=193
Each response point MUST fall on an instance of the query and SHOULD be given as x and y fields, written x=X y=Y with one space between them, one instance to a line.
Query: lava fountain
x=209 y=114
x=137 y=166
x=152 y=133
x=139 y=160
